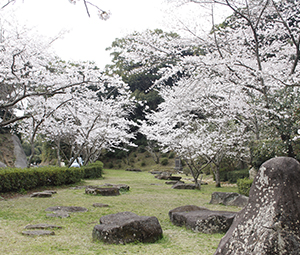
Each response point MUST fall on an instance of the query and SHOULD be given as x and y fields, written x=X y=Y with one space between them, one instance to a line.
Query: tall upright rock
x=270 y=222
x=11 y=152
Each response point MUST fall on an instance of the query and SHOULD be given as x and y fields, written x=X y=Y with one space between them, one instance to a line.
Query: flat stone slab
x=109 y=191
x=155 y=172
x=58 y=214
x=38 y=233
x=201 y=219
x=42 y=226
x=71 y=209
x=229 y=199
x=127 y=227
x=175 y=178
x=133 y=170
x=41 y=194
x=179 y=185
x=50 y=191
x=100 y=205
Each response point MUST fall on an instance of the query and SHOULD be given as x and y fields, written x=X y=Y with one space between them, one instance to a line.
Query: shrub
x=141 y=149
x=244 y=186
x=233 y=176
x=110 y=165
x=223 y=175
x=93 y=170
x=164 y=162
x=164 y=155
x=16 y=179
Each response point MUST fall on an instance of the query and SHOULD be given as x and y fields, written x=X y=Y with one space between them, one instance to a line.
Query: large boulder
x=229 y=199
x=21 y=160
x=270 y=223
x=127 y=227
x=201 y=219
x=12 y=154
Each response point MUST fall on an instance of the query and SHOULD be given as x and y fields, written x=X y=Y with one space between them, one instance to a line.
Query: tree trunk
x=58 y=153
x=216 y=171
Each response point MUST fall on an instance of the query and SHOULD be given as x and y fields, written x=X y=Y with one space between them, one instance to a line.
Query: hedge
x=233 y=176
x=93 y=170
x=17 y=179
x=244 y=186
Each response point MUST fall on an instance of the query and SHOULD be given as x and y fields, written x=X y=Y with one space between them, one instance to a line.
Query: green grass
x=76 y=235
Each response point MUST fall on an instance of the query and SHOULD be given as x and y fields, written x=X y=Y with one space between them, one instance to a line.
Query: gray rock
x=201 y=219
x=175 y=178
x=38 y=233
x=252 y=173
x=270 y=223
x=173 y=182
x=179 y=185
x=58 y=214
x=21 y=160
x=71 y=209
x=127 y=227
x=41 y=194
x=155 y=172
x=133 y=170
x=111 y=191
x=229 y=199
x=100 y=205
x=121 y=187
x=2 y=164
x=50 y=191
x=164 y=176
x=42 y=226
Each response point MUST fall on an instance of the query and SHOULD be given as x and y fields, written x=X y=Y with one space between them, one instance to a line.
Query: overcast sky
x=87 y=38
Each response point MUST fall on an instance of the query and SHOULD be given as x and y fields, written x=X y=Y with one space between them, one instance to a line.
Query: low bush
x=16 y=179
x=223 y=175
x=93 y=170
x=233 y=176
x=244 y=186
x=164 y=162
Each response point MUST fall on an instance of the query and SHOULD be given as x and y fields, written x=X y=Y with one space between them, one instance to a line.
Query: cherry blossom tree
x=187 y=123
x=246 y=68
x=39 y=109
x=30 y=69
x=255 y=53
x=102 y=14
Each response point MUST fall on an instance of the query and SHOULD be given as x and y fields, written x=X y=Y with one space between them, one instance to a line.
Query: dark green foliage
x=223 y=175
x=266 y=149
x=244 y=186
x=141 y=149
x=93 y=170
x=233 y=176
x=164 y=161
x=16 y=179
x=171 y=155
x=110 y=165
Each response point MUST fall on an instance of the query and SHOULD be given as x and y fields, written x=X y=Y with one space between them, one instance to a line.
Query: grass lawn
x=75 y=237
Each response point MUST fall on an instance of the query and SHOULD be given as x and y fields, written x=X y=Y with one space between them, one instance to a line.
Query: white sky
x=87 y=38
